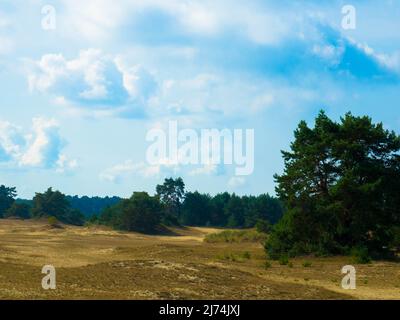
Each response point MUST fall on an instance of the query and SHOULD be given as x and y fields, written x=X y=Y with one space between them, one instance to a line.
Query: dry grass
x=236 y=236
x=99 y=263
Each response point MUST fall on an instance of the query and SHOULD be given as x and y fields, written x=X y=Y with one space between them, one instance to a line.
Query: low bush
x=235 y=236
x=361 y=255
x=307 y=264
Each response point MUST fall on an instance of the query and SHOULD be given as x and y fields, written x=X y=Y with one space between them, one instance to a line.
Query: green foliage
x=91 y=206
x=140 y=213
x=361 y=255
x=307 y=264
x=218 y=215
x=7 y=196
x=18 y=210
x=235 y=210
x=263 y=226
x=55 y=204
x=395 y=231
x=235 y=257
x=196 y=209
x=340 y=186
x=235 y=236
x=93 y=220
x=226 y=210
x=53 y=222
x=171 y=194
x=283 y=260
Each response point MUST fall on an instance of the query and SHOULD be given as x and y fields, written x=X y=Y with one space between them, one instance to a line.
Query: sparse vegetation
x=360 y=255
x=283 y=260
x=235 y=257
x=53 y=222
x=235 y=236
x=307 y=264
x=99 y=263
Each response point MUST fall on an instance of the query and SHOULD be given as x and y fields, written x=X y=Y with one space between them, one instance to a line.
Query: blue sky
x=77 y=101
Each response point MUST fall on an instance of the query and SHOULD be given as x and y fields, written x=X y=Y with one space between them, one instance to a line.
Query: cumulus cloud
x=11 y=141
x=230 y=78
x=39 y=148
x=163 y=168
x=209 y=169
x=93 y=79
x=129 y=168
x=65 y=165
x=236 y=182
x=43 y=144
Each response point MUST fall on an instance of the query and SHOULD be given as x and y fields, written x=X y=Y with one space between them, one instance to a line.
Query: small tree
x=7 y=198
x=171 y=194
x=141 y=213
x=55 y=203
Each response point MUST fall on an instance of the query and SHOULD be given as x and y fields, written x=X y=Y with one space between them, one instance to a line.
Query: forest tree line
x=170 y=206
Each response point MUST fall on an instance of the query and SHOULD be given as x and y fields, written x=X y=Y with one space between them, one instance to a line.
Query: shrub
x=18 y=210
x=263 y=226
x=238 y=257
x=227 y=256
x=283 y=260
x=53 y=222
x=141 y=213
x=246 y=255
x=235 y=236
x=361 y=255
x=307 y=264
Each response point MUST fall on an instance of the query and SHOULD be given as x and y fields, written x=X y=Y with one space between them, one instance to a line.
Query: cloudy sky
x=82 y=82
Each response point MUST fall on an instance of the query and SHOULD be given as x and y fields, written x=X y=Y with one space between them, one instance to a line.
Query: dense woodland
x=170 y=206
x=339 y=194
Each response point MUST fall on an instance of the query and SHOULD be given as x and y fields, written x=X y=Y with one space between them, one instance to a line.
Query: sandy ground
x=98 y=263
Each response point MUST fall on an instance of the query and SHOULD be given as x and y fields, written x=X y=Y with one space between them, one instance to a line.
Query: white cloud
x=209 y=169
x=44 y=144
x=93 y=19
x=40 y=148
x=236 y=182
x=11 y=141
x=65 y=165
x=137 y=81
x=98 y=20
x=129 y=168
x=329 y=53
x=92 y=79
x=390 y=61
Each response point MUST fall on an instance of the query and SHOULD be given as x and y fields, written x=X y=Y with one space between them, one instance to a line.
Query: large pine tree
x=341 y=187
